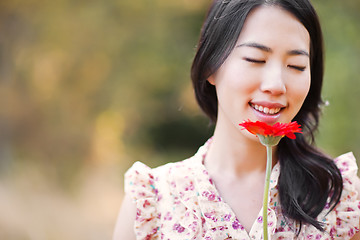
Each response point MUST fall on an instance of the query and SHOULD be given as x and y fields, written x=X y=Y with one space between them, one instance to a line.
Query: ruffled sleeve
x=140 y=185
x=345 y=217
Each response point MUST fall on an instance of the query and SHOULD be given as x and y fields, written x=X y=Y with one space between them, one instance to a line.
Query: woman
x=260 y=60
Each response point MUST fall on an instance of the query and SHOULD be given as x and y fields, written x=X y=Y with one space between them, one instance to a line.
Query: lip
x=267 y=118
x=268 y=104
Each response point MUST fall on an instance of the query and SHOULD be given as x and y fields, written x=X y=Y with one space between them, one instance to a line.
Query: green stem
x=266 y=190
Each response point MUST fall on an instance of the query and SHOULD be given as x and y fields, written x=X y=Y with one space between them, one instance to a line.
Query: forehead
x=274 y=26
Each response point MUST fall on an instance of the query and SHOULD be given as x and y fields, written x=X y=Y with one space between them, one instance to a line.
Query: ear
x=211 y=80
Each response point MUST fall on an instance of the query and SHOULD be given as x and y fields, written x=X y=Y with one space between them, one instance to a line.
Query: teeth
x=266 y=110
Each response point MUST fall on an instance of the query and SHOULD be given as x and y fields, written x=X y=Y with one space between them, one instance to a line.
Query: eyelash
x=301 y=69
x=254 y=60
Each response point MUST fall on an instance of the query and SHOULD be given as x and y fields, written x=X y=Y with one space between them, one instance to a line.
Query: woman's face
x=267 y=75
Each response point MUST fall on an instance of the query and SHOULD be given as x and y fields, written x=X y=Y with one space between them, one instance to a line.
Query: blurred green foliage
x=94 y=82
x=339 y=130
x=98 y=82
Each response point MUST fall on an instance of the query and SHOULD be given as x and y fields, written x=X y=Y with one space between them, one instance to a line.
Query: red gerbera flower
x=270 y=136
x=276 y=130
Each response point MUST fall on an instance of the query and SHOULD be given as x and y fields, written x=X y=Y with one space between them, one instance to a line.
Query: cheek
x=303 y=91
x=299 y=93
x=236 y=81
x=306 y=87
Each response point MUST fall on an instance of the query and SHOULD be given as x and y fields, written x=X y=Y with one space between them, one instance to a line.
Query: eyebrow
x=298 y=52
x=264 y=48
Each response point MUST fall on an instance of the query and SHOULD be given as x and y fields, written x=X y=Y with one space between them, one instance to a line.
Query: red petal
x=278 y=129
x=290 y=135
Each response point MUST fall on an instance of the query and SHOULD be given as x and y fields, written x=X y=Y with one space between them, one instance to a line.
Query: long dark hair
x=308 y=177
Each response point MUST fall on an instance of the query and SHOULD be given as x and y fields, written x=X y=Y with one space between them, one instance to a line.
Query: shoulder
x=344 y=159
x=148 y=194
x=346 y=214
x=142 y=181
x=342 y=222
x=347 y=163
x=348 y=167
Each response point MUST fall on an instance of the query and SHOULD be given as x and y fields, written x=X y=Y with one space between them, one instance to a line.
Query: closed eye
x=299 y=68
x=254 y=60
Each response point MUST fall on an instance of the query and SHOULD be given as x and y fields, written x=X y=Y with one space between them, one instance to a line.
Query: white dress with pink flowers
x=180 y=201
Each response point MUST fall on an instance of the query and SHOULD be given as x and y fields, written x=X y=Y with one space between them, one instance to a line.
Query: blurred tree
x=79 y=77
x=65 y=64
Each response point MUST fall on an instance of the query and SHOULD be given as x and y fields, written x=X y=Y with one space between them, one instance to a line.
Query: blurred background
x=89 y=87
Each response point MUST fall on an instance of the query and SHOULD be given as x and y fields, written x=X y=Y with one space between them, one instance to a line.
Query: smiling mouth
x=265 y=110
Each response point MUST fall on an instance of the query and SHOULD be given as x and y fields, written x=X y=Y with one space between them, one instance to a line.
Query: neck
x=234 y=152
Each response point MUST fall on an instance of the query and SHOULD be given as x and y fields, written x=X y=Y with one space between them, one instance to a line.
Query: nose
x=273 y=82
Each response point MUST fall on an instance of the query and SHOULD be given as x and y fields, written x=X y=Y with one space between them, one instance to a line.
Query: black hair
x=308 y=177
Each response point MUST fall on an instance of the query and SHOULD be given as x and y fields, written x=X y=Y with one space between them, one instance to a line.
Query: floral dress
x=179 y=201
